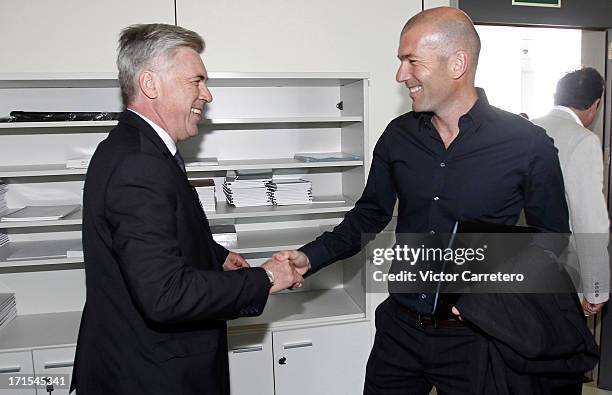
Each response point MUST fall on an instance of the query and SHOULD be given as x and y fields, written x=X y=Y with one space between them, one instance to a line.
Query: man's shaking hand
x=298 y=259
x=284 y=274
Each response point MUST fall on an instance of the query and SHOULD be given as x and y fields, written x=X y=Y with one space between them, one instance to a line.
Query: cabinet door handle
x=57 y=365
x=10 y=369
x=307 y=343
x=247 y=349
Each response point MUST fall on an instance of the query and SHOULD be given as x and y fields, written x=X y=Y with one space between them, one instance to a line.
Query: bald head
x=447 y=30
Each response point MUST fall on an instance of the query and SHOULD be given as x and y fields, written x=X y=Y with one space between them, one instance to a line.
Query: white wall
x=427 y=4
x=314 y=35
x=70 y=35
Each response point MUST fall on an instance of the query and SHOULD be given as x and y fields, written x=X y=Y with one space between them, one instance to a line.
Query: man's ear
x=458 y=64
x=595 y=105
x=148 y=84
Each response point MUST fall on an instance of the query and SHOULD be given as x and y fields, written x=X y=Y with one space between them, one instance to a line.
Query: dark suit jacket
x=531 y=343
x=157 y=296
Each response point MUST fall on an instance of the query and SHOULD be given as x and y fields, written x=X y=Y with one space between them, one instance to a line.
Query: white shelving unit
x=257 y=121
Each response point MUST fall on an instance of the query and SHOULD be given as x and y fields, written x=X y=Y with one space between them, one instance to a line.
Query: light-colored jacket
x=581 y=161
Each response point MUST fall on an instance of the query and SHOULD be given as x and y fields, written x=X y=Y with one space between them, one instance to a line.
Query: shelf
x=259 y=79
x=229 y=79
x=72 y=219
x=280 y=163
x=275 y=239
x=213 y=121
x=58 y=169
x=61 y=124
x=40 y=331
x=282 y=310
x=232 y=121
x=58 y=80
x=291 y=309
x=224 y=210
x=248 y=242
x=51 y=246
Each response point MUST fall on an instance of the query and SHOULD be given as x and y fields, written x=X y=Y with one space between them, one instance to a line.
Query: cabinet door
x=55 y=362
x=18 y=366
x=322 y=360
x=250 y=362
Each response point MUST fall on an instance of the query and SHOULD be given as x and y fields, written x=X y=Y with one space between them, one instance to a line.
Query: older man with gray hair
x=159 y=288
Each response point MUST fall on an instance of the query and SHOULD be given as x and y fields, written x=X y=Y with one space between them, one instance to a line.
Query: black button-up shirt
x=498 y=164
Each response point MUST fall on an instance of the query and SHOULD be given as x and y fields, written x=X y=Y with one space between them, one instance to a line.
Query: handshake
x=287 y=268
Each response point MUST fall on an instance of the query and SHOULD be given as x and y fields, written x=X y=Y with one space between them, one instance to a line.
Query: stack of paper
x=3 y=239
x=325 y=157
x=289 y=191
x=225 y=235
x=247 y=190
x=75 y=251
x=8 y=309
x=78 y=163
x=206 y=193
x=39 y=213
x=201 y=162
x=3 y=192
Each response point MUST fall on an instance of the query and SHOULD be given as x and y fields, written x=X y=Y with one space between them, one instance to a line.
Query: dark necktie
x=180 y=161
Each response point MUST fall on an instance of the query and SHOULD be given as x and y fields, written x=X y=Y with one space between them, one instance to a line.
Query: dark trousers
x=409 y=359
x=572 y=389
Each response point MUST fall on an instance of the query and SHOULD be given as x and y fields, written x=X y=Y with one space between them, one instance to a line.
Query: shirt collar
x=570 y=112
x=476 y=115
x=160 y=131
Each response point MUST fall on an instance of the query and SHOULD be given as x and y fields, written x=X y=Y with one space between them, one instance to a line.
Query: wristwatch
x=270 y=276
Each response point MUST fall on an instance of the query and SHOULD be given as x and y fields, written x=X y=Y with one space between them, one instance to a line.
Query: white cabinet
x=14 y=367
x=316 y=360
x=250 y=362
x=56 y=363
x=17 y=368
x=257 y=121
x=322 y=360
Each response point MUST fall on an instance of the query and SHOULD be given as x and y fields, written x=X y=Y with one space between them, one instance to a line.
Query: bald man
x=454 y=157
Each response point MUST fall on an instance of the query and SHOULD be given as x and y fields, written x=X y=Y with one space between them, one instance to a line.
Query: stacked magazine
x=206 y=193
x=225 y=235
x=78 y=163
x=3 y=192
x=247 y=190
x=3 y=208
x=284 y=192
x=8 y=309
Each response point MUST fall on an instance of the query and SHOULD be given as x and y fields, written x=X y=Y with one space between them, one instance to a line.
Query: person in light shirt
x=577 y=100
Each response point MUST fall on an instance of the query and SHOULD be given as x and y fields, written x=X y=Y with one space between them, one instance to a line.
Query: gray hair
x=148 y=46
